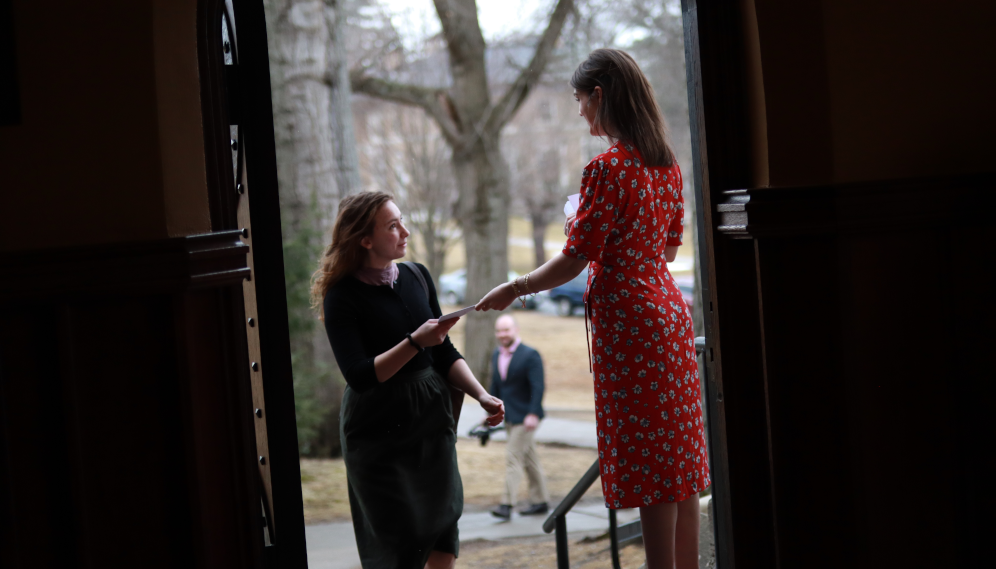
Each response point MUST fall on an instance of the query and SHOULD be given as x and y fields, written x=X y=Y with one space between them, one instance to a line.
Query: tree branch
x=503 y=111
x=462 y=31
x=435 y=102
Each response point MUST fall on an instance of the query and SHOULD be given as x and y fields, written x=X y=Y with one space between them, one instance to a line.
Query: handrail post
x=614 y=539
x=562 y=561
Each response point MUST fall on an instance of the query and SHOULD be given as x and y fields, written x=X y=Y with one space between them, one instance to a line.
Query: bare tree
x=314 y=138
x=298 y=37
x=471 y=123
x=543 y=203
x=347 y=173
x=536 y=182
x=414 y=163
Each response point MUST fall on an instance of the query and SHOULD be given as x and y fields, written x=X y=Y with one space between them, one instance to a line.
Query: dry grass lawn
x=323 y=481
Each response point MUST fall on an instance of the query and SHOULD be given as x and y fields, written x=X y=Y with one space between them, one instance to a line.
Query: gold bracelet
x=526 y=284
x=515 y=288
x=518 y=292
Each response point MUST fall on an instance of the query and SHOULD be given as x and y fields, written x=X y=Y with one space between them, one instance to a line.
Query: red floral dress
x=651 y=442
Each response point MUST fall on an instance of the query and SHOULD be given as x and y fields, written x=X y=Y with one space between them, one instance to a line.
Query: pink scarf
x=377 y=277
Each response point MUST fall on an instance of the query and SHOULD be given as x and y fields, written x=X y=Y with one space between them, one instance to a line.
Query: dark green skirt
x=405 y=491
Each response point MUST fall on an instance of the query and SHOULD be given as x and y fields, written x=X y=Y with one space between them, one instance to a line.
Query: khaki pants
x=521 y=455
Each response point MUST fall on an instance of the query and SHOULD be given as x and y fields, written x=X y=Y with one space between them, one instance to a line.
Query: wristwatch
x=414 y=344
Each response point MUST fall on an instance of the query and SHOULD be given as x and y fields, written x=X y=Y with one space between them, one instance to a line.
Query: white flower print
x=623 y=233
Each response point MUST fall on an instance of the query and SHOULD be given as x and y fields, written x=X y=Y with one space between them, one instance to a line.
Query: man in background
x=517 y=379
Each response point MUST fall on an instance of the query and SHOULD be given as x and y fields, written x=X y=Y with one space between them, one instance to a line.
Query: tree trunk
x=435 y=252
x=298 y=36
x=539 y=221
x=347 y=172
x=483 y=210
x=472 y=126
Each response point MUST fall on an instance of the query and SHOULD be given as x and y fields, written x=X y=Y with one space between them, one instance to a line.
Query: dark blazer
x=522 y=388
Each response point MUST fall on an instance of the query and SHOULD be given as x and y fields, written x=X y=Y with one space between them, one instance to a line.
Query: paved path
x=333 y=546
x=551 y=430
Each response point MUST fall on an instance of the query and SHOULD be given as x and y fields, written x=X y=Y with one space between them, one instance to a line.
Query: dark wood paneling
x=810 y=443
x=917 y=204
x=877 y=318
x=215 y=382
x=744 y=403
x=34 y=528
x=126 y=411
x=10 y=96
x=209 y=260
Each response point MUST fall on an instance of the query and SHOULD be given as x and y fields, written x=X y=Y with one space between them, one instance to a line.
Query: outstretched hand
x=498 y=299
x=495 y=409
x=433 y=332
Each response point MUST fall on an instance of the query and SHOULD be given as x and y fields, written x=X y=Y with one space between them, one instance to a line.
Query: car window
x=581 y=280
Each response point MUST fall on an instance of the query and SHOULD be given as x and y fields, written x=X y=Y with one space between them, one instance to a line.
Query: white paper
x=573 y=202
x=456 y=314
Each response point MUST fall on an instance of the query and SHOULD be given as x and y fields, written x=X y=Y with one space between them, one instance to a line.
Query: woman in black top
x=396 y=424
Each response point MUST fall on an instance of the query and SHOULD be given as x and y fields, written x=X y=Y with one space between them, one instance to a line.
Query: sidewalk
x=333 y=546
x=580 y=434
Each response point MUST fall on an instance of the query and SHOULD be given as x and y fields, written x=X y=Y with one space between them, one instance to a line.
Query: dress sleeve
x=341 y=325
x=596 y=212
x=446 y=353
x=677 y=226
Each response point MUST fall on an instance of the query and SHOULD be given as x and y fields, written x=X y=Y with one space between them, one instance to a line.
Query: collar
x=377 y=277
x=511 y=349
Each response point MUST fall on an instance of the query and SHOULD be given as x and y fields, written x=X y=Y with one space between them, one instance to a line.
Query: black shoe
x=535 y=509
x=504 y=511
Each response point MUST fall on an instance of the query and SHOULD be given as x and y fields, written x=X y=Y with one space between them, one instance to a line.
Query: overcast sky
x=416 y=18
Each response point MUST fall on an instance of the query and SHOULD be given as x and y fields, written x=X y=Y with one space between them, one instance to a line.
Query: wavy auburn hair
x=344 y=255
x=627 y=105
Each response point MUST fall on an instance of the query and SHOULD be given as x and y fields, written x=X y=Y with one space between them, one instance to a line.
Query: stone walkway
x=333 y=546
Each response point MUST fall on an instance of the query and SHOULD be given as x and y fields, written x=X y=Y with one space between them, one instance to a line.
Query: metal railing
x=618 y=535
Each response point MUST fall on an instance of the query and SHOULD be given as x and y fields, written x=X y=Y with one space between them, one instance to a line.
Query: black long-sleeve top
x=364 y=321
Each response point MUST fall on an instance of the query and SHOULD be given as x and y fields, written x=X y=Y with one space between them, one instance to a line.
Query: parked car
x=453 y=289
x=570 y=295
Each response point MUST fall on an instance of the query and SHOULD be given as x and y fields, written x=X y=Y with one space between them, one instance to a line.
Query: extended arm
x=553 y=273
x=463 y=379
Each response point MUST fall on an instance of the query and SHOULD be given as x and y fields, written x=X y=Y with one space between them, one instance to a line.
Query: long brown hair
x=627 y=104
x=344 y=255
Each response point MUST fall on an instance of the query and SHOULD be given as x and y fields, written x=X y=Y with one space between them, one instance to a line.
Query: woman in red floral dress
x=651 y=441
